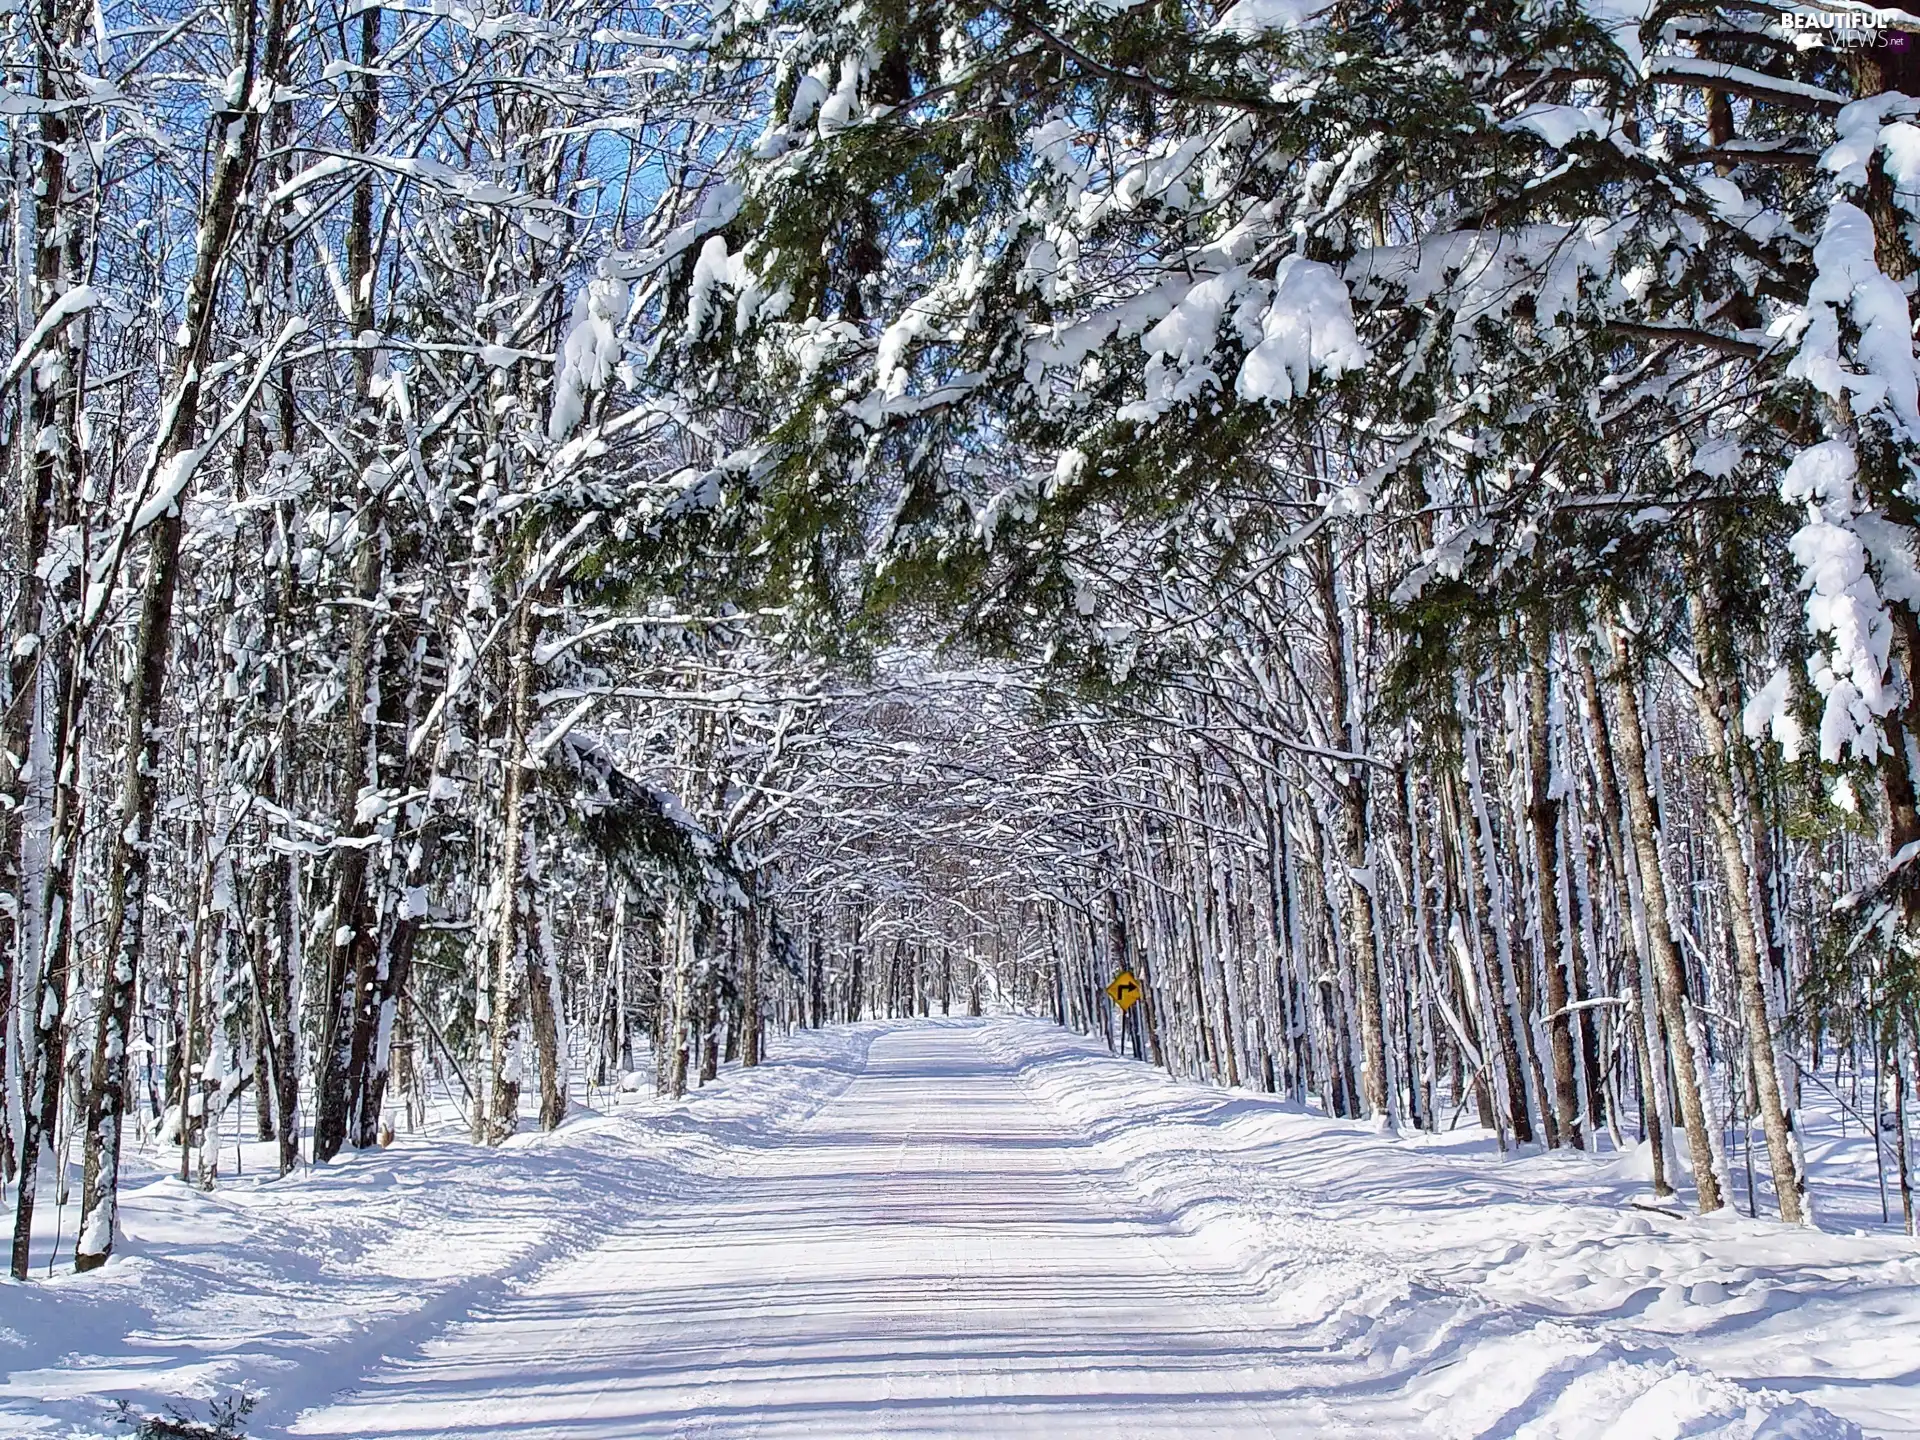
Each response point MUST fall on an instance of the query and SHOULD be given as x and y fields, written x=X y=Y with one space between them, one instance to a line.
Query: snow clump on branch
x=1309 y=326
x=1843 y=604
x=588 y=354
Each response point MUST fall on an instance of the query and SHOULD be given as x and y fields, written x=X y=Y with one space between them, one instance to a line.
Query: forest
x=549 y=543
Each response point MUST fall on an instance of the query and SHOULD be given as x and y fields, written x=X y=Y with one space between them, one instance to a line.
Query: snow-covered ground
x=975 y=1228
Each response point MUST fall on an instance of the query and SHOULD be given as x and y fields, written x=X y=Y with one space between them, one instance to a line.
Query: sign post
x=1125 y=993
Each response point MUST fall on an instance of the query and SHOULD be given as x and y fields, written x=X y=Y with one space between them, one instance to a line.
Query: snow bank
x=1513 y=1296
x=290 y=1287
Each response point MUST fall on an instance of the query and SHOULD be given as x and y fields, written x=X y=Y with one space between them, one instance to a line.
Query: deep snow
x=972 y=1228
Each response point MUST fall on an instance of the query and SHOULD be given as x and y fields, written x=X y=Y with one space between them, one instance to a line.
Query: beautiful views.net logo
x=1846 y=27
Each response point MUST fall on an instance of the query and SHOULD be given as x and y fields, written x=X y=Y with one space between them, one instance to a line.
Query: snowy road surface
x=973 y=1228
x=938 y=1252
x=928 y=1255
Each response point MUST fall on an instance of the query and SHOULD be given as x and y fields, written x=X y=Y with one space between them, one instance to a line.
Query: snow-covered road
x=941 y=1251
x=971 y=1228
x=927 y=1256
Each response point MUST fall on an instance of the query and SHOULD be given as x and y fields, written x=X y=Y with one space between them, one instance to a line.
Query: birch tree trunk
x=1612 y=814
x=1543 y=820
x=509 y=999
x=676 y=1000
x=1716 y=700
x=1669 y=975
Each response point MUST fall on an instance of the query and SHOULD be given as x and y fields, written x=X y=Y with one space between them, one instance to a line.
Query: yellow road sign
x=1124 y=990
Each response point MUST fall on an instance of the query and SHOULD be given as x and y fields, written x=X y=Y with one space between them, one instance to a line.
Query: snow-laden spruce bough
x=544 y=540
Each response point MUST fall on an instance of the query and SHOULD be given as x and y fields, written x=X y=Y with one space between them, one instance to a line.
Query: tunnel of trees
x=550 y=543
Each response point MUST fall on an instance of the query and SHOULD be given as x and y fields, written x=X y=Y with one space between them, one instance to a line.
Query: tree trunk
x=1716 y=700
x=677 y=998
x=1669 y=975
x=1612 y=821
x=273 y=1000
x=1543 y=820
x=758 y=932
x=353 y=947
x=1355 y=845
x=370 y=1055
x=45 y=1057
x=544 y=997
x=1490 y=903
x=709 y=1033
x=354 y=958
x=39 y=728
x=132 y=844
x=132 y=836
x=503 y=1078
